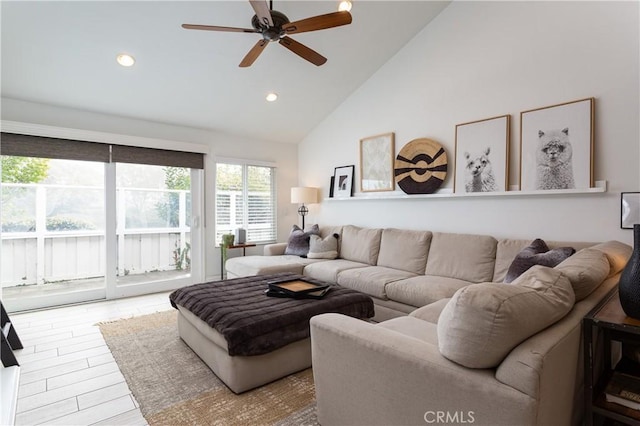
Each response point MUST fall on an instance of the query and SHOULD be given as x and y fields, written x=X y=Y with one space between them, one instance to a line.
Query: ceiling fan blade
x=253 y=54
x=216 y=28
x=262 y=10
x=303 y=51
x=319 y=22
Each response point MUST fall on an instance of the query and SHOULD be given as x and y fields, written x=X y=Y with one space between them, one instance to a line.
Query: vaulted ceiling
x=63 y=53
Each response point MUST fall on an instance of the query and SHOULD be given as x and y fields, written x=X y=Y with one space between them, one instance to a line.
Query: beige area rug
x=174 y=387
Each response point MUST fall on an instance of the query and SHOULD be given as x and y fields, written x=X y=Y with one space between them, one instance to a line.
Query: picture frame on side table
x=343 y=181
x=629 y=209
x=556 y=146
x=377 y=154
x=482 y=155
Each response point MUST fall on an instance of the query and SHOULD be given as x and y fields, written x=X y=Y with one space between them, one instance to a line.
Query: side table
x=235 y=246
x=609 y=319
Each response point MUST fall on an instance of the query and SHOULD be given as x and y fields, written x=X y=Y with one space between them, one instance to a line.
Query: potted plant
x=227 y=240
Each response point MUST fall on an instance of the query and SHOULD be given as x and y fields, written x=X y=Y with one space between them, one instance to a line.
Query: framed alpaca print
x=556 y=146
x=482 y=155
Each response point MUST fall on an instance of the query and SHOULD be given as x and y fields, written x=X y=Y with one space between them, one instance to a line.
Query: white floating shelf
x=601 y=186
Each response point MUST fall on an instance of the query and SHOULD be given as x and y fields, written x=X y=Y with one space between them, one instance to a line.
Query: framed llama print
x=377 y=154
x=482 y=155
x=556 y=146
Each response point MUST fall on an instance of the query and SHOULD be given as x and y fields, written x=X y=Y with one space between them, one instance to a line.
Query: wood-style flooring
x=68 y=375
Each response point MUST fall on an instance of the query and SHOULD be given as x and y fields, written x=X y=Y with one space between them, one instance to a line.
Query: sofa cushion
x=404 y=250
x=360 y=244
x=463 y=256
x=506 y=250
x=371 y=280
x=327 y=270
x=483 y=322
x=323 y=248
x=617 y=253
x=586 y=270
x=431 y=312
x=298 y=243
x=244 y=266
x=413 y=327
x=424 y=289
x=537 y=253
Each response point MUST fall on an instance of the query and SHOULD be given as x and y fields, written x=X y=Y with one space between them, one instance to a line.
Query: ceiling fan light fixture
x=125 y=60
x=345 y=5
x=271 y=97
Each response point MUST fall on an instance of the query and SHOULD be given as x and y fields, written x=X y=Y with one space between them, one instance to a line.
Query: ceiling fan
x=275 y=26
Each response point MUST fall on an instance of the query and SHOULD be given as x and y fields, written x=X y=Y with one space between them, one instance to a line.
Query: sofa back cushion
x=360 y=244
x=463 y=256
x=506 y=251
x=483 y=322
x=617 y=253
x=404 y=250
x=586 y=270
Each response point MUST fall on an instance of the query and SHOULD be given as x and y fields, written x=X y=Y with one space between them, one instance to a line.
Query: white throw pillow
x=320 y=248
x=483 y=322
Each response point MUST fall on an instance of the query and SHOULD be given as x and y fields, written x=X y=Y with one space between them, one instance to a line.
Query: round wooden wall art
x=421 y=166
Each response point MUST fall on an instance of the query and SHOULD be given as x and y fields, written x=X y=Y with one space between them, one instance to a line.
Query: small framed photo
x=629 y=209
x=343 y=181
x=377 y=154
x=482 y=155
x=556 y=146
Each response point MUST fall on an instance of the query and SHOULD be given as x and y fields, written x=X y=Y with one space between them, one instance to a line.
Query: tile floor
x=68 y=375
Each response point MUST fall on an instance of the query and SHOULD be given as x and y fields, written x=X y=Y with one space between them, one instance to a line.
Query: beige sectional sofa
x=453 y=346
x=402 y=270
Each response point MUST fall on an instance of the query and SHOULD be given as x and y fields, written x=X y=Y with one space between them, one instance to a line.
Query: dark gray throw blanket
x=255 y=324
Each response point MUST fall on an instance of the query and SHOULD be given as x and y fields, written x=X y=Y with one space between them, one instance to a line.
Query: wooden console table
x=607 y=319
x=235 y=246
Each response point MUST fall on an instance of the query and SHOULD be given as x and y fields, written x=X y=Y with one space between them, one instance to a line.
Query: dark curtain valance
x=67 y=149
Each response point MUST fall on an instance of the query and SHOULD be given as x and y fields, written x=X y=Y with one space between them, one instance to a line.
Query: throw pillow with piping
x=323 y=248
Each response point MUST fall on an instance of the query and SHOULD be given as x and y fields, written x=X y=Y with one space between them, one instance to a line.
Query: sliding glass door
x=53 y=232
x=153 y=227
x=74 y=231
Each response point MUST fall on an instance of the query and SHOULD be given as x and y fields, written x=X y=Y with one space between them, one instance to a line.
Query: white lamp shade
x=304 y=194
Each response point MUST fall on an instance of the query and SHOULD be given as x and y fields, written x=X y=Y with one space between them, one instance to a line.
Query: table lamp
x=302 y=195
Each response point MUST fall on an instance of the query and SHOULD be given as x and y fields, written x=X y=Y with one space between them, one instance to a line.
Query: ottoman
x=249 y=339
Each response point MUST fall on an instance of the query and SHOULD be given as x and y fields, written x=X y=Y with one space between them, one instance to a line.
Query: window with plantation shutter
x=245 y=198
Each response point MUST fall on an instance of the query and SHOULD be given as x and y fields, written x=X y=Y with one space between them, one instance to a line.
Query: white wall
x=219 y=145
x=482 y=59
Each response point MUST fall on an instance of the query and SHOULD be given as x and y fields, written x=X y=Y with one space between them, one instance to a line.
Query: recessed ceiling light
x=345 y=5
x=125 y=60
x=271 y=97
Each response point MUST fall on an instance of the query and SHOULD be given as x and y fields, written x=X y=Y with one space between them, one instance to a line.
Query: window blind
x=245 y=197
x=67 y=149
x=45 y=147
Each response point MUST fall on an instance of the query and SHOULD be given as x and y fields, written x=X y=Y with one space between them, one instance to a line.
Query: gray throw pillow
x=323 y=248
x=298 y=243
x=537 y=253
